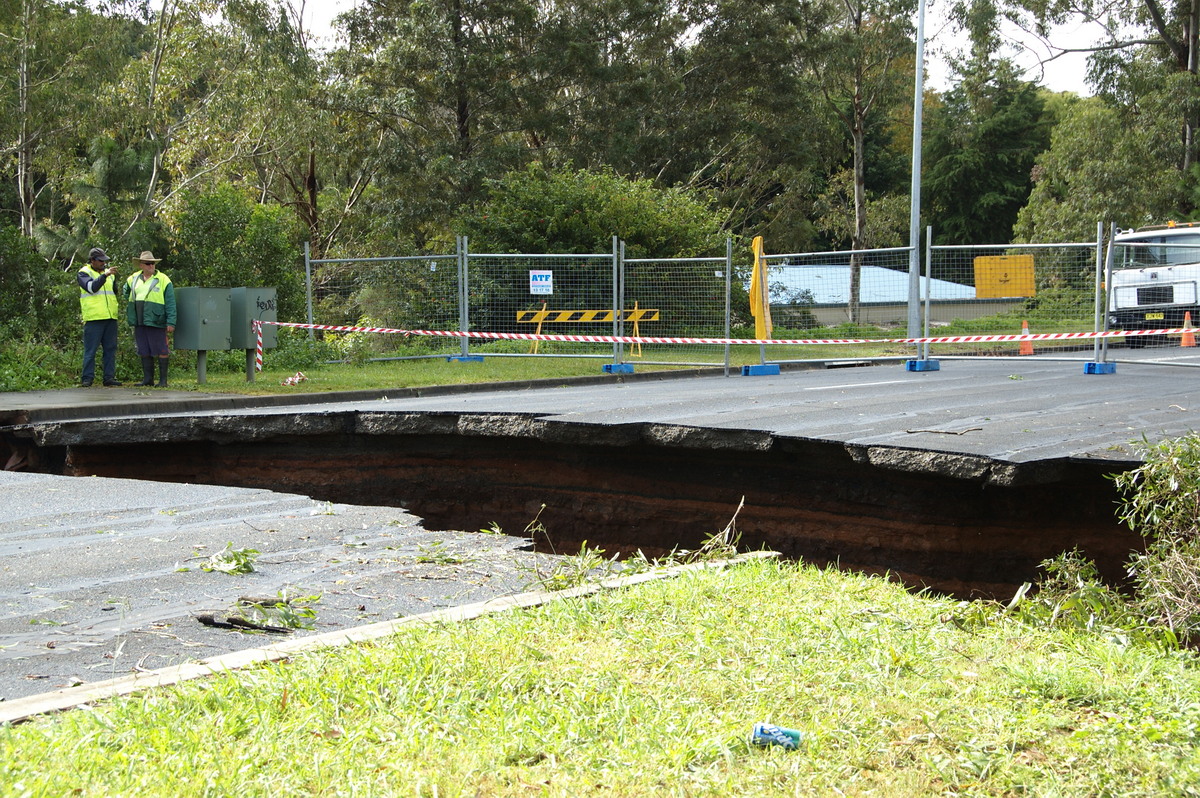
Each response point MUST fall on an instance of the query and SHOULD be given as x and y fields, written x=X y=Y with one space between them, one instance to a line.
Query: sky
x=1062 y=74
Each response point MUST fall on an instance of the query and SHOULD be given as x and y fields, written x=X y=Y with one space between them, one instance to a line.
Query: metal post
x=1100 y=322
x=914 y=213
x=618 y=295
x=464 y=317
x=1108 y=280
x=728 y=287
x=928 y=288
x=308 y=280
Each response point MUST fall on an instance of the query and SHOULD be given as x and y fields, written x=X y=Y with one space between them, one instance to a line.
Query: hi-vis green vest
x=151 y=302
x=100 y=305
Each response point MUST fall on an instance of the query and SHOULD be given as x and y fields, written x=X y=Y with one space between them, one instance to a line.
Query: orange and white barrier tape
x=642 y=339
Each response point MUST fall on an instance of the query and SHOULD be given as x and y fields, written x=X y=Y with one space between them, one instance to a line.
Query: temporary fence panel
x=838 y=295
x=1154 y=283
x=1008 y=290
x=676 y=298
x=541 y=295
x=408 y=292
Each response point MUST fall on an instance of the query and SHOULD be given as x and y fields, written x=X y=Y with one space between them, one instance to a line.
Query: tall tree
x=1151 y=57
x=861 y=54
x=1103 y=165
x=445 y=85
x=982 y=141
x=51 y=69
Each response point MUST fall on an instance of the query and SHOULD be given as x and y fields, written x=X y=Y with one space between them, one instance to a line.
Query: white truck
x=1154 y=279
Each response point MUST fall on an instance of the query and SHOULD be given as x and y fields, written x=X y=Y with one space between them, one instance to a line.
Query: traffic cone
x=1026 y=346
x=1188 y=338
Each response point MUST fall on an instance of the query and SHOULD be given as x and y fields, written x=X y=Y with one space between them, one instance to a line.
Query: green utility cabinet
x=249 y=305
x=203 y=319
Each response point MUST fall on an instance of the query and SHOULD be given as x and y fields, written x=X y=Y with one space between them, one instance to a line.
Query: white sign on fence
x=541 y=281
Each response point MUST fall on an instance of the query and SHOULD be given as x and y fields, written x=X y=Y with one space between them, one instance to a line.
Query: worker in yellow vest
x=151 y=313
x=98 y=306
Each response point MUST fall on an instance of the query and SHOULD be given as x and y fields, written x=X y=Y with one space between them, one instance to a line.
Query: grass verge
x=652 y=691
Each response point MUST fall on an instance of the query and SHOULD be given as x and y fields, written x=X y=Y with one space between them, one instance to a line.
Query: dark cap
x=98 y=254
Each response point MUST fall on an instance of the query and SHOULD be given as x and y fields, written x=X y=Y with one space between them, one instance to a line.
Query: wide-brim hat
x=148 y=257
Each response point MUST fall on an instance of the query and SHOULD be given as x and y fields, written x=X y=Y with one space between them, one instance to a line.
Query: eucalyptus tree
x=1147 y=63
x=294 y=147
x=56 y=57
x=981 y=141
x=166 y=123
x=445 y=88
x=1102 y=166
x=860 y=56
x=748 y=123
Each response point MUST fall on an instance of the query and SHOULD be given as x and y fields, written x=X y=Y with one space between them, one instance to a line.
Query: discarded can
x=770 y=734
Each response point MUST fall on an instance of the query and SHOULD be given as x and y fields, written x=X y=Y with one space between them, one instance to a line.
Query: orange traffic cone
x=1188 y=338
x=1026 y=346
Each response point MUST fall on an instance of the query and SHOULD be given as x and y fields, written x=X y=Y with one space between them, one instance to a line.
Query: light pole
x=914 y=211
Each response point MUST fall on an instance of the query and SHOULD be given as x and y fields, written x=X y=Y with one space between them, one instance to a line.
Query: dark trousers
x=100 y=334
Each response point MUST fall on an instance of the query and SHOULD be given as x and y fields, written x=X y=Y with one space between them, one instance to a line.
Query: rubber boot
x=162 y=372
x=147 y=371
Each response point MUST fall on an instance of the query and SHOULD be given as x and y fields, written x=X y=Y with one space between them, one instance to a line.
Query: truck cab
x=1154 y=280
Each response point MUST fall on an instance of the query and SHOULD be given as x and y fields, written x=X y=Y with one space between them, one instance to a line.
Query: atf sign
x=541 y=281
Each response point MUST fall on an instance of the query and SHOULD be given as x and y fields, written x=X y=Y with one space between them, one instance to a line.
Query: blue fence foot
x=618 y=368
x=464 y=359
x=1099 y=368
x=922 y=365
x=765 y=370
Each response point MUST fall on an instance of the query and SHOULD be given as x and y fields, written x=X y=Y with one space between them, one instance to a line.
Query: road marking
x=854 y=385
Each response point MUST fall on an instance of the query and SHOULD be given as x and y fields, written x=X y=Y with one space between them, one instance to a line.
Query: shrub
x=1162 y=503
x=225 y=239
x=28 y=366
x=38 y=302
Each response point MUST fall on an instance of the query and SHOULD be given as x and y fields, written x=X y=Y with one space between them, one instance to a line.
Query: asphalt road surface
x=105 y=577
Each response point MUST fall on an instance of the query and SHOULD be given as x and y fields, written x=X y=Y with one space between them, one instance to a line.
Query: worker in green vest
x=151 y=313
x=98 y=306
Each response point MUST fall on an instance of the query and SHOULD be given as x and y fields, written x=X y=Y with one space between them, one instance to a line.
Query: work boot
x=147 y=371
x=162 y=372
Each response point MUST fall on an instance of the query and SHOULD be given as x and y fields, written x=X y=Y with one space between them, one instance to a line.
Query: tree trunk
x=26 y=197
x=462 y=109
x=858 y=240
x=1190 y=121
x=311 y=209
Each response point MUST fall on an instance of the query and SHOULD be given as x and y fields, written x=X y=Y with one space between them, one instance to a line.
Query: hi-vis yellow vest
x=100 y=305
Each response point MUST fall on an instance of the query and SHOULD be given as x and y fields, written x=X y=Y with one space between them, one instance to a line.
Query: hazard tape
x=630 y=339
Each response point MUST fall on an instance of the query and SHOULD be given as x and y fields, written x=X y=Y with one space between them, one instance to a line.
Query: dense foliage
x=216 y=134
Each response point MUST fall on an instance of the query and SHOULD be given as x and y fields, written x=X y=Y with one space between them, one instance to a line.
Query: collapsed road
x=102 y=578
x=961 y=480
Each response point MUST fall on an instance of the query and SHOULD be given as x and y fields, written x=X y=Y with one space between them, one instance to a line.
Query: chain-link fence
x=838 y=295
x=541 y=294
x=416 y=292
x=1039 y=288
x=858 y=294
x=676 y=298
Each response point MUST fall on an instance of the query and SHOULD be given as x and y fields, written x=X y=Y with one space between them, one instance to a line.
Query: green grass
x=652 y=691
x=393 y=374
